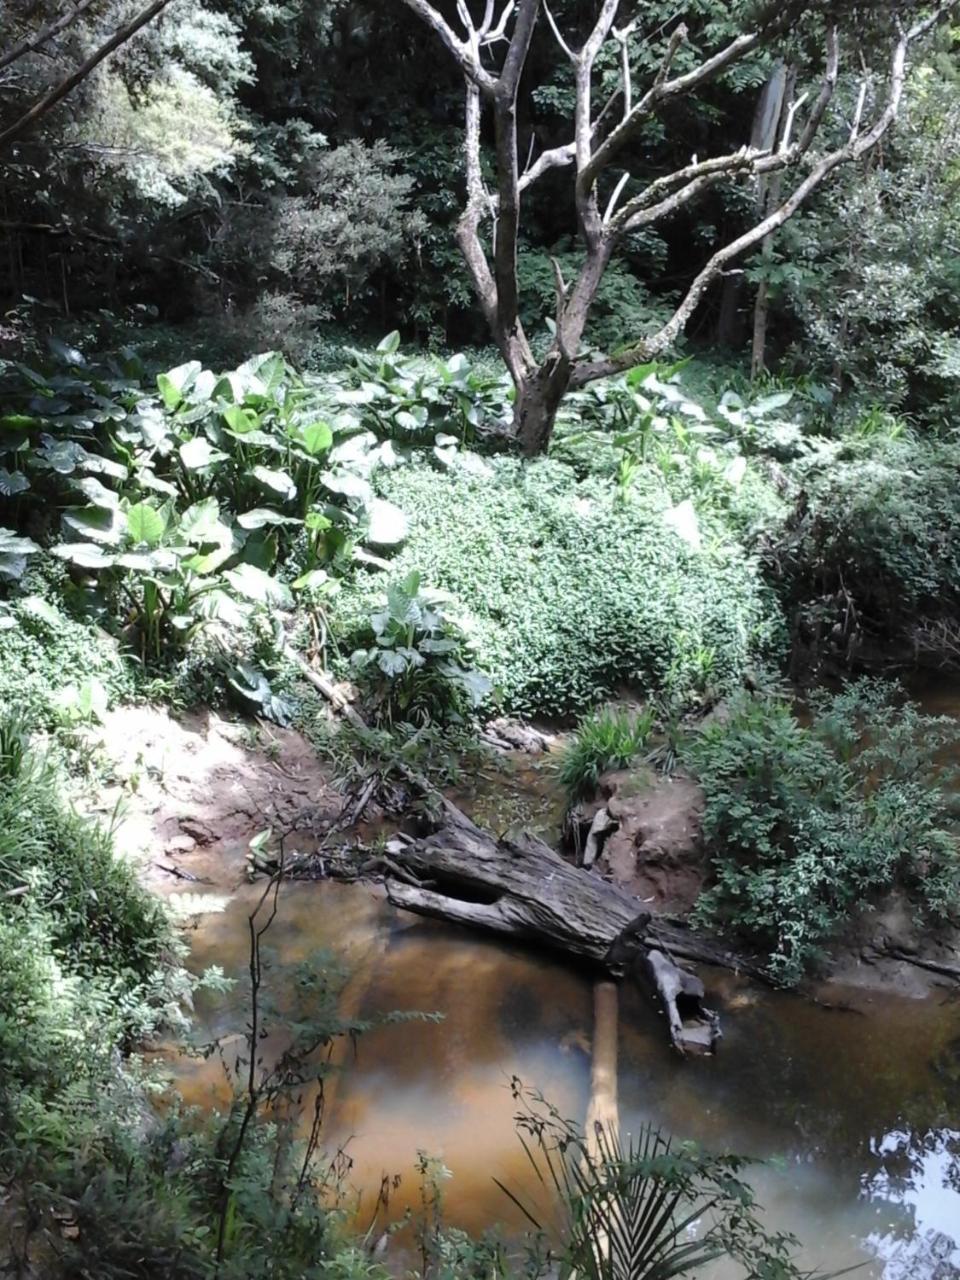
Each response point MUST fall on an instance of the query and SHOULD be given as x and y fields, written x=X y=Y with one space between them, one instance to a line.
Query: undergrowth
x=810 y=823
x=568 y=594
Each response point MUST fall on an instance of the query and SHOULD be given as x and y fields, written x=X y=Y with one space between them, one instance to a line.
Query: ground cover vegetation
x=213 y=466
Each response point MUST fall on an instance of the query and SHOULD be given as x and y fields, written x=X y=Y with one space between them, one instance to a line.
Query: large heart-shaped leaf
x=388 y=524
x=347 y=485
x=316 y=438
x=256 y=585
x=263 y=516
x=199 y=520
x=12 y=483
x=198 y=453
x=98 y=494
x=146 y=524
x=278 y=481
x=174 y=384
x=86 y=555
x=240 y=419
x=96 y=524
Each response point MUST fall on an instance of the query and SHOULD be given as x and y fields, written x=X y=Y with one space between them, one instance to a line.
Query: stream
x=856 y=1110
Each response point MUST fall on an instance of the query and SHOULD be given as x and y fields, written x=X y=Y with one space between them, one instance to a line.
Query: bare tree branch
x=66 y=86
x=461 y=50
x=555 y=158
x=29 y=44
x=663 y=89
x=856 y=146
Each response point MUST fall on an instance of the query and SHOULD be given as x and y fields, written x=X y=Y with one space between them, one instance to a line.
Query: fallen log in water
x=519 y=887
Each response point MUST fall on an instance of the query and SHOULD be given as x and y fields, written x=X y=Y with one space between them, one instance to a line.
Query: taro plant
x=418 y=667
x=171 y=574
x=255 y=439
x=411 y=398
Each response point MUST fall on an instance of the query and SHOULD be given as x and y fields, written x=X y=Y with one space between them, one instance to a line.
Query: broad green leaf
x=388 y=524
x=98 y=494
x=769 y=403
x=390 y=344
x=146 y=524
x=312 y=580
x=199 y=520
x=12 y=483
x=147 y=480
x=254 y=584
x=261 y=549
x=99 y=465
x=13 y=554
x=218 y=605
x=262 y=516
x=390 y=663
x=174 y=384
x=638 y=375
x=198 y=453
x=204 y=386
x=241 y=420
x=317 y=438
x=206 y=562
x=375 y=562
x=278 y=481
x=162 y=561
x=62 y=456
x=86 y=555
x=347 y=485
x=12 y=569
x=96 y=524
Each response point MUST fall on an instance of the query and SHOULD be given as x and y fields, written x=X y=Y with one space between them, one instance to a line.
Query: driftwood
x=519 y=887
x=522 y=888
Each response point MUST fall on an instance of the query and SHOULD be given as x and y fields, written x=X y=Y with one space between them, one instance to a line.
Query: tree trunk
x=538 y=399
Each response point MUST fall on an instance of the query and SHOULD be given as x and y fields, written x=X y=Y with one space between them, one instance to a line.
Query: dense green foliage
x=198 y=473
x=558 y=615
x=869 y=555
x=809 y=823
x=88 y=954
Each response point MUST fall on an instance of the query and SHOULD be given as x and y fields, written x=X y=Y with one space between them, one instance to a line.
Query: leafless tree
x=492 y=53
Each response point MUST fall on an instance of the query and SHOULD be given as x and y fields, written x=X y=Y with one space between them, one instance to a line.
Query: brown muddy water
x=858 y=1113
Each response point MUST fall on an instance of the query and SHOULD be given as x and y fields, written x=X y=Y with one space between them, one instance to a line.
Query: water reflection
x=858 y=1108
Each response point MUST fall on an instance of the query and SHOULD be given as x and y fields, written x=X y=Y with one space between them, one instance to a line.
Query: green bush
x=874 y=541
x=808 y=823
x=571 y=594
x=605 y=739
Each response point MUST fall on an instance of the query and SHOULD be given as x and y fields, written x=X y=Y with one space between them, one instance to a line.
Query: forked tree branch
x=856 y=146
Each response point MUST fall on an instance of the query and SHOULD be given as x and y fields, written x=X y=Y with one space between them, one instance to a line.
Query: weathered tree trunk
x=538 y=399
x=519 y=887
